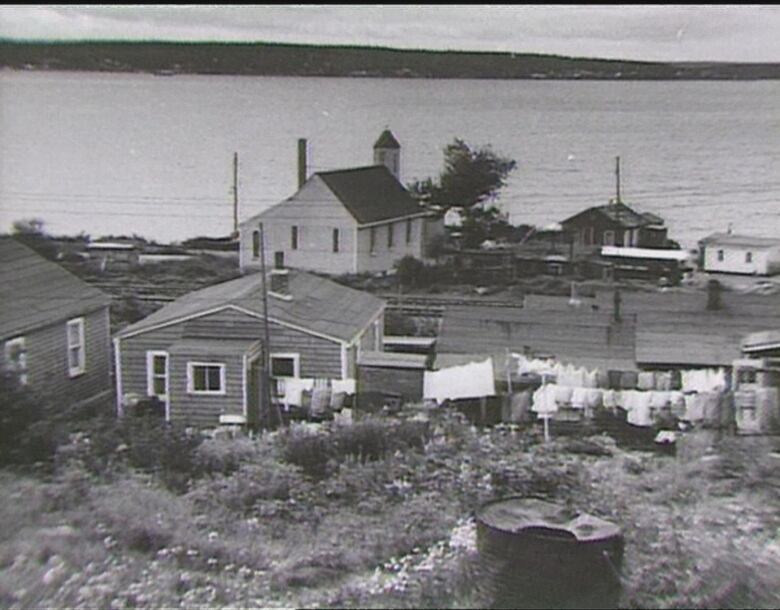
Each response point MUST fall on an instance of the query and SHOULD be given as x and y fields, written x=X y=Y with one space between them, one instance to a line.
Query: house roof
x=761 y=340
x=387 y=140
x=677 y=328
x=318 y=305
x=619 y=213
x=36 y=292
x=586 y=338
x=729 y=239
x=371 y=194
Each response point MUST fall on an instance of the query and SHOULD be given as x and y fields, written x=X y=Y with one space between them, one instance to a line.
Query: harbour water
x=138 y=153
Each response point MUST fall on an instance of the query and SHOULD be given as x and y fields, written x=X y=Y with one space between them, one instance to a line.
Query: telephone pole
x=617 y=179
x=235 y=195
x=265 y=416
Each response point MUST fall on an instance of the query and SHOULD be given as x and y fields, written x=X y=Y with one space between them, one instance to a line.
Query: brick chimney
x=302 y=162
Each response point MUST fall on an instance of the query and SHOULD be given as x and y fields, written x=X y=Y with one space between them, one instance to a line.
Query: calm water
x=152 y=155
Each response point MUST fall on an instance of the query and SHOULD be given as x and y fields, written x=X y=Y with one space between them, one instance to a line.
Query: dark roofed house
x=201 y=354
x=616 y=224
x=54 y=327
x=345 y=221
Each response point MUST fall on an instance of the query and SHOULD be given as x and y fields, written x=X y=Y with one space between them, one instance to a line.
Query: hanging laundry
x=676 y=380
x=711 y=409
x=320 y=401
x=591 y=379
x=659 y=399
x=609 y=398
x=343 y=385
x=473 y=380
x=663 y=381
x=563 y=395
x=293 y=388
x=544 y=400
x=639 y=415
x=628 y=380
x=594 y=397
x=645 y=381
x=614 y=378
x=602 y=379
x=579 y=398
x=694 y=408
x=677 y=402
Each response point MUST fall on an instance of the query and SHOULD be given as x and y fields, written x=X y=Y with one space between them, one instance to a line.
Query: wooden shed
x=390 y=377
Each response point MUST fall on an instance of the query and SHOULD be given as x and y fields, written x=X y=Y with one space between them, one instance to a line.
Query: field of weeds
x=375 y=514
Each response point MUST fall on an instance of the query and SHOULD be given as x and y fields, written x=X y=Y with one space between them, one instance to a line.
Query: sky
x=741 y=33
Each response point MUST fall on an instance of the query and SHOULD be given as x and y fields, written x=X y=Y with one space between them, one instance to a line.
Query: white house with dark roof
x=345 y=221
x=729 y=253
x=201 y=355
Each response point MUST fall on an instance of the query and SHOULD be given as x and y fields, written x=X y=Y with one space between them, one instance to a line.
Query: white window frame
x=294 y=356
x=191 y=378
x=150 y=374
x=81 y=367
x=18 y=367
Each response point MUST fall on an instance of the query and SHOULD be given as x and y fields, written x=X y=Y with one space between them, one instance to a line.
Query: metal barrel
x=533 y=554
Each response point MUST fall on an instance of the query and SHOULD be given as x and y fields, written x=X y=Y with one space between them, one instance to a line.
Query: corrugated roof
x=586 y=338
x=371 y=194
x=387 y=140
x=748 y=241
x=318 y=305
x=35 y=292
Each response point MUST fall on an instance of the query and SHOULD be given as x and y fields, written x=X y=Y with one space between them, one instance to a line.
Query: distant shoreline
x=270 y=59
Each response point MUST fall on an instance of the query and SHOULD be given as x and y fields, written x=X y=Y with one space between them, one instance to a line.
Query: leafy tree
x=30 y=232
x=471 y=176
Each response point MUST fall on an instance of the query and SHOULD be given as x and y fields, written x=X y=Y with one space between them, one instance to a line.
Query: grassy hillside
x=311 y=60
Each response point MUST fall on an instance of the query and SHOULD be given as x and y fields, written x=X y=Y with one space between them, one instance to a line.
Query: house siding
x=383 y=257
x=734 y=259
x=319 y=358
x=47 y=364
x=316 y=211
x=204 y=410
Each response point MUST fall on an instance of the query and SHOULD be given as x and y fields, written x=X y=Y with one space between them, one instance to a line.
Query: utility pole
x=617 y=179
x=265 y=416
x=235 y=195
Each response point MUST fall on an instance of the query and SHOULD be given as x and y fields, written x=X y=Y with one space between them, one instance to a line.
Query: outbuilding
x=729 y=253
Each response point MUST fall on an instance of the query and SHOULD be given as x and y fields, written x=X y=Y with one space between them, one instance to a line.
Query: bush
x=30 y=427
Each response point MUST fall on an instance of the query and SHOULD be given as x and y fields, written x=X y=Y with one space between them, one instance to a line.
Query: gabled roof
x=585 y=338
x=387 y=140
x=762 y=340
x=621 y=214
x=35 y=292
x=729 y=239
x=318 y=305
x=371 y=194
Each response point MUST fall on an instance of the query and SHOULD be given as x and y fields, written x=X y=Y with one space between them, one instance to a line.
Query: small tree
x=410 y=271
x=471 y=176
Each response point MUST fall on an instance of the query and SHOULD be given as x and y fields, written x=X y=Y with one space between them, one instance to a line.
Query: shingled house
x=202 y=354
x=616 y=224
x=54 y=328
x=346 y=221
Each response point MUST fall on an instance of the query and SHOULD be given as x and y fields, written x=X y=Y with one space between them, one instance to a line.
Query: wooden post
x=265 y=416
x=235 y=195
x=482 y=410
x=617 y=179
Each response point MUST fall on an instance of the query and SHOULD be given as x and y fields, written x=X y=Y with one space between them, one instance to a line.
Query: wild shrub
x=30 y=427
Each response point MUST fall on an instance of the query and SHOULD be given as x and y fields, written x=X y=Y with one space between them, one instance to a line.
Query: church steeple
x=387 y=152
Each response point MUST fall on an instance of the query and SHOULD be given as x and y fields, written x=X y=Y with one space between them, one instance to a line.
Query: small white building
x=729 y=253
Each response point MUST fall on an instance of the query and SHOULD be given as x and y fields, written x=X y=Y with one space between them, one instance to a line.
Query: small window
x=294 y=237
x=16 y=358
x=609 y=238
x=76 y=349
x=157 y=374
x=390 y=235
x=720 y=255
x=335 y=240
x=285 y=365
x=255 y=244
x=205 y=378
x=409 y=231
x=372 y=239
x=747 y=376
x=748 y=257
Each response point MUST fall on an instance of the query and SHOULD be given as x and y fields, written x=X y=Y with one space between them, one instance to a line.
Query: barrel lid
x=516 y=514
